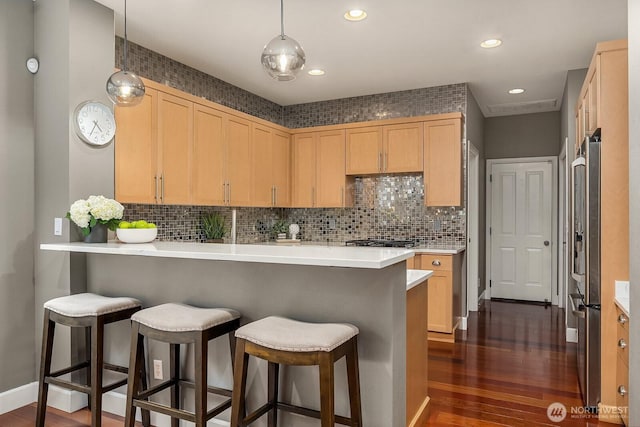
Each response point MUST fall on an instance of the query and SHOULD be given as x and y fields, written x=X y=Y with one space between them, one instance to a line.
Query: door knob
x=546 y=243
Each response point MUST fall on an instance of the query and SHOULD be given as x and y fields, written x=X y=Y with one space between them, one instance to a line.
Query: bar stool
x=92 y=312
x=284 y=341
x=177 y=324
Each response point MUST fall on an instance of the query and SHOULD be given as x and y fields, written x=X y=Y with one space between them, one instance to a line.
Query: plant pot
x=214 y=241
x=98 y=234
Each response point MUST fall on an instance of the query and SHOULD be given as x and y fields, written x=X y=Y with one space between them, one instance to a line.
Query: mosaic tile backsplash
x=385 y=207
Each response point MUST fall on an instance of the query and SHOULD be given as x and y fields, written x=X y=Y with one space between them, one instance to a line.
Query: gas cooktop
x=392 y=243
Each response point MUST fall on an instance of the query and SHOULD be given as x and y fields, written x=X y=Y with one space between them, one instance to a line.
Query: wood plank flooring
x=505 y=370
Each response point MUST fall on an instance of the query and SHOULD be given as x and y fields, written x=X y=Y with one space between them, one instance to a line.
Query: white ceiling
x=403 y=44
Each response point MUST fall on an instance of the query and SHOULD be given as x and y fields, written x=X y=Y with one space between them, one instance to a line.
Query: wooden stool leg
x=327 y=410
x=146 y=415
x=45 y=367
x=240 y=363
x=133 y=386
x=274 y=371
x=97 y=348
x=174 y=374
x=201 y=362
x=353 y=377
x=87 y=350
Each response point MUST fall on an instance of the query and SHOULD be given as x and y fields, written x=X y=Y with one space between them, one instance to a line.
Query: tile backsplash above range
x=385 y=207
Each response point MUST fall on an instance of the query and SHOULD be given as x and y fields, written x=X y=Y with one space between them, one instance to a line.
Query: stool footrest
x=114 y=386
x=155 y=389
x=257 y=413
x=310 y=413
x=70 y=369
x=212 y=390
x=68 y=385
x=166 y=410
x=116 y=368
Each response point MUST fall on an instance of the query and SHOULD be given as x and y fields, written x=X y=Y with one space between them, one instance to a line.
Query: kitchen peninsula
x=364 y=286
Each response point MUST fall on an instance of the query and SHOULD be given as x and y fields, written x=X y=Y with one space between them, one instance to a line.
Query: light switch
x=57 y=226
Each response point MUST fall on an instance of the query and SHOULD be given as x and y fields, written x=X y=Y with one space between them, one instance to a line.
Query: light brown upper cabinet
x=443 y=162
x=319 y=178
x=238 y=161
x=209 y=180
x=153 y=150
x=270 y=160
x=175 y=137
x=593 y=99
x=384 y=149
x=136 y=151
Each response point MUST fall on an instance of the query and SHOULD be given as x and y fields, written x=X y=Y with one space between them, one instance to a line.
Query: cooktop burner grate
x=391 y=243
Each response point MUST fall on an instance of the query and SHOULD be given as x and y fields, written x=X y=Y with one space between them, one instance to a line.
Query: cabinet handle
x=380 y=162
x=622 y=343
x=162 y=188
x=622 y=390
x=384 y=162
x=275 y=195
x=313 y=196
x=436 y=262
x=229 y=193
x=155 y=187
x=342 y=196
x=622 y=319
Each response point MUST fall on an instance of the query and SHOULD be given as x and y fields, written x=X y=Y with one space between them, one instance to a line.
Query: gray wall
x=524 y=135
x=74 y=41
x=634 y=208
x=572 y=87
x=17 y=194
x=475 y=134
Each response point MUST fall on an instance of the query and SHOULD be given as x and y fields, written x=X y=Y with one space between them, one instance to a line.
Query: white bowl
x=136 y=235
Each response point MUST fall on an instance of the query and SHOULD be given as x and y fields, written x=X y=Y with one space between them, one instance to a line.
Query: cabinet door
x=330 y=169
x=364 y=150
x=593 y=121
x=136 y=158
x=402 y=148
x=262 y=193
x=281 y=164
x=175 y=139
x=304 y=170
x=440 y=302
x=208 y=172
x=238 y=161
x=443 y=163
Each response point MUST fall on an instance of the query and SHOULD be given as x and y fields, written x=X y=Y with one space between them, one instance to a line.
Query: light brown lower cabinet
x=417 y=346
x=445 y=285
x=622 y=366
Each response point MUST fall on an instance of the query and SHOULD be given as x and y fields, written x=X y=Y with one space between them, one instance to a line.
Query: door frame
x=554 y=218
x=473 y=231
x=563 y=205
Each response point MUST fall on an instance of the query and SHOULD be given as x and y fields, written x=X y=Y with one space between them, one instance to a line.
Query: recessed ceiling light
x=516 y=91
x=355 y=15
x=316 y=72
x=491 y=43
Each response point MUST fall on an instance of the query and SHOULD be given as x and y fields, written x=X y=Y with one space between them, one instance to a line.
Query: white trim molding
x=18 y=397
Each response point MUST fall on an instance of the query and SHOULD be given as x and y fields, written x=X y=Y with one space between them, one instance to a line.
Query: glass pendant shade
x=125 y=89
x=282 y=58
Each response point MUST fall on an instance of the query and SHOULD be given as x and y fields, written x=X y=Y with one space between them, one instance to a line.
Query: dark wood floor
x=504 y=370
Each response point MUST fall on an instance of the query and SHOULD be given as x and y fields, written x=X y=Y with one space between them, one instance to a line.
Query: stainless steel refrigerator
x=585 y=266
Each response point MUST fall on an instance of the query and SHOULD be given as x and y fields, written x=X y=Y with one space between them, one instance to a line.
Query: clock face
x=94 y=123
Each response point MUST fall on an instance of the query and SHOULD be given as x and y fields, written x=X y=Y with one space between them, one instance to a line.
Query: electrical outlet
x=332 y=223
x=157 y=369
x=57 y=226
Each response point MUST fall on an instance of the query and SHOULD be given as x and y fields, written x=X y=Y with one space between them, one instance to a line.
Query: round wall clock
x=94 y=123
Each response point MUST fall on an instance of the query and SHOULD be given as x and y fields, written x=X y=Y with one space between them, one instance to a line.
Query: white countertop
x=453 y=250
x=328 y=256
x=415 y=277
x=622 y=296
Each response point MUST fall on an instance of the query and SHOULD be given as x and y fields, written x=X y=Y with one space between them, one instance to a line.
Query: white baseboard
x=572 y=335
x=18 y=397
x=463 y=323
x=71 y=401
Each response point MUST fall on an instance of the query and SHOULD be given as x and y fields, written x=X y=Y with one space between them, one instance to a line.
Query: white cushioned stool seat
x=284 y=334
x=87 y=304
x=173 y=317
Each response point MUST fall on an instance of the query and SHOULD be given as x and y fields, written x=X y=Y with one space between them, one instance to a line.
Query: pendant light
x=123 y=87
x=283 y=57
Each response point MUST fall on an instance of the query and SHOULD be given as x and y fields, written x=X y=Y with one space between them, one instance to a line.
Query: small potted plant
x=94 y=216
x=279 y=229
x=214 y=227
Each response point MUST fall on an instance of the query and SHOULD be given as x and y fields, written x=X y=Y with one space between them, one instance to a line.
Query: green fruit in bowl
x=141 y=224
x=124 y=224
x=151 y=225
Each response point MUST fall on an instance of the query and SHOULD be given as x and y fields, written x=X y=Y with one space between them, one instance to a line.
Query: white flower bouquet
x=95 y=210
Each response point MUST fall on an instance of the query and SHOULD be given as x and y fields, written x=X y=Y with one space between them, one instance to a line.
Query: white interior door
x=521 y=230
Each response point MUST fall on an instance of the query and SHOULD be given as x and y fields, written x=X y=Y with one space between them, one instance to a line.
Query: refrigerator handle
x=576 y=311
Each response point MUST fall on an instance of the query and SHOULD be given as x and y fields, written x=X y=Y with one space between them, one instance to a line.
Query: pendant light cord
x=281 y=19
x=125 y=36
